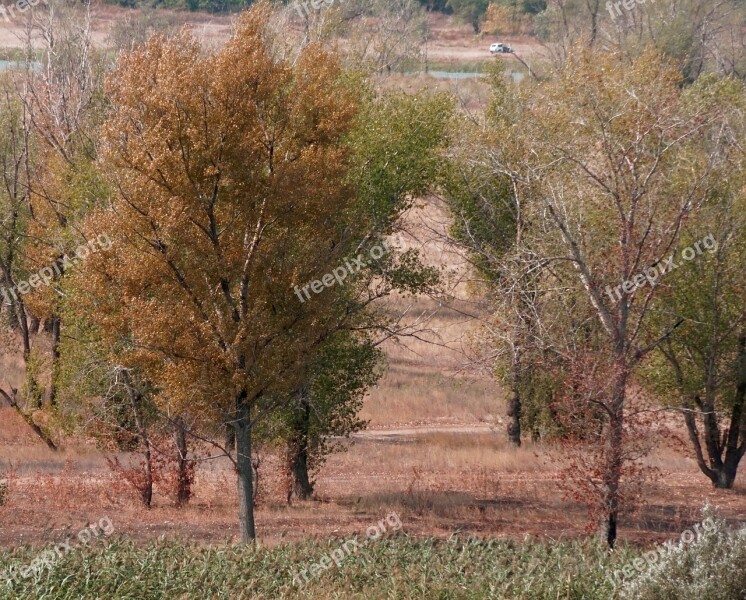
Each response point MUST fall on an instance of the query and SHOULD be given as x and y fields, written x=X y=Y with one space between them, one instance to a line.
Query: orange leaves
x=230 y=170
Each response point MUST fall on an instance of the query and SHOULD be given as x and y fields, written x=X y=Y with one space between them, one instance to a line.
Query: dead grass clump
x=439 y=495
x=69 y=488
x=7 y=483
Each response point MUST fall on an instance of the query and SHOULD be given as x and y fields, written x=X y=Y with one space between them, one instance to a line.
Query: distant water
x=450 y=74
x=516 y=75
x=13 y=64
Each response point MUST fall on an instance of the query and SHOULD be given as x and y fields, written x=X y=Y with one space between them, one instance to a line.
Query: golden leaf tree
x=230 y=174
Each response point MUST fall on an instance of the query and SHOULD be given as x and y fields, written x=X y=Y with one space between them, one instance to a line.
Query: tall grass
x=397 y=568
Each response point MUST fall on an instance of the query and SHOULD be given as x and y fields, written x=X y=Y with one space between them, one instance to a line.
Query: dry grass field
x=435 y=452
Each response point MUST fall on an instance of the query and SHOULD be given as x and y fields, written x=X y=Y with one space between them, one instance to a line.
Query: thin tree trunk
x=12 y=399
x=614 y=458
x=514 y=403
x=243 y=466
x=147 y=492
x=136 y=404
x=34 y=325
x=230 y=437
x=56 y=325
x=184 y=491
x=23 y=324
x=301 y=486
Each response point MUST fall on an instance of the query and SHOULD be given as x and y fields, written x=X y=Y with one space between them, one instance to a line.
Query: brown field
x=435 y=452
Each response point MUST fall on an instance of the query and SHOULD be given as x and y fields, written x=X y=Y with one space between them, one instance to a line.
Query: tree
x=63 y=105
x=608 y=161
x=471 y=11
x=230 y=169
x=566 y=24
x=384 y=35
x=699 y=36
x=327 y=406
x=15 y=151
x=489 y=227
x=701 y=368
x=135 y=28
x=391 y=167
x=510 y=17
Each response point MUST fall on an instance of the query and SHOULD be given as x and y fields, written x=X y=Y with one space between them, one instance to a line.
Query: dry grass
x=436 y=453
x=440 y=398
x=439 y=482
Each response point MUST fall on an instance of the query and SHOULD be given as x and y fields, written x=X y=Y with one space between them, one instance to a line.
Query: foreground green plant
x=399 y=567
x=711 y=568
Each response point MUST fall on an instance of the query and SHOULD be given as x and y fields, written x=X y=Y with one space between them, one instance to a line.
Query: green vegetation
x=396 y=567
x=476 y=66
x=712 y=567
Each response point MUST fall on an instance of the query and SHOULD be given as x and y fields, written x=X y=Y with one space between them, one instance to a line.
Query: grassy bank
x=710 y=567
x=397 y=567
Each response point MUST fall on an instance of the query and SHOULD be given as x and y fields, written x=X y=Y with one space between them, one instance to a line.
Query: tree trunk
x=146 y=493
x=35 y=325
x=723 y=451
x=243 y=466
x=12 y=399
x=56 y=325
x=514 y=403
x=184 y=482
x=16 y=314
x=733 y=452
x=614 y=457
x=301 y=486
x=726 y=477
x=20 y=307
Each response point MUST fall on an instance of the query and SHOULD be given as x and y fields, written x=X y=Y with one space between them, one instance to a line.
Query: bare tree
x=597 y=160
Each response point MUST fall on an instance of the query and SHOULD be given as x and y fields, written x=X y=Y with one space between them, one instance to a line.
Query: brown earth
x=435 y=452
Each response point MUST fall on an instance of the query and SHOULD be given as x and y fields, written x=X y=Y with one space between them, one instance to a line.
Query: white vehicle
x=500 y=48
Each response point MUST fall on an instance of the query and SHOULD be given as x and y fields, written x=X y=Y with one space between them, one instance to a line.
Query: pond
x=516 y=75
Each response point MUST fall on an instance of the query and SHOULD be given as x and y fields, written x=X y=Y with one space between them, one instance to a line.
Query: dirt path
x=388 y=434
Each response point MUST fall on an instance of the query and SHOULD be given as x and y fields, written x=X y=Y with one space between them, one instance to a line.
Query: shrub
x=713 y=567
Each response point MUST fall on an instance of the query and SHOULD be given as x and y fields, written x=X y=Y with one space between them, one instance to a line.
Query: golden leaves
x=230 y=168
